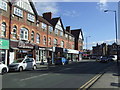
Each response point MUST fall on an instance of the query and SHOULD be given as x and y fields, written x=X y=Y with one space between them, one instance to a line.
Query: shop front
x=20 y=49
x=4 y=47
x=72 y=55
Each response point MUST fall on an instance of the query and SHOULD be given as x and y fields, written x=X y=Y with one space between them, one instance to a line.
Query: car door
x=29 y=62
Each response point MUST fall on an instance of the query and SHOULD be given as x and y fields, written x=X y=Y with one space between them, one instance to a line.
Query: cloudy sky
x=89 y=16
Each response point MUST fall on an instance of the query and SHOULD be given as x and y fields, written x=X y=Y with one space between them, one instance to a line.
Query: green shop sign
x=4 y=44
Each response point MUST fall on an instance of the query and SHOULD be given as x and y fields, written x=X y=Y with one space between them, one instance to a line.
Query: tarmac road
x=72 y=75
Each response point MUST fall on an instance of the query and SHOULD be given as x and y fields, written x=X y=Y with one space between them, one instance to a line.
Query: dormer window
x=3 y=5
x=56 y=31
x=61 y=33
x=31 y=17
x=50 y=29
x=44 y=26
x=18 y=12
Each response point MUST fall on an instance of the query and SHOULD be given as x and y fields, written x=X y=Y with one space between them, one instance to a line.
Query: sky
x=88 y=16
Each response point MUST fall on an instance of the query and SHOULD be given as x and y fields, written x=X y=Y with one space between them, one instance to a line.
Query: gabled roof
x=76 y=33
x=33 y=7
x=12 y=2
x=40 y=18
x=54 y=21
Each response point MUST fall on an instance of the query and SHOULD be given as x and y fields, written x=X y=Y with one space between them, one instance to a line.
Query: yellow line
x=93 y=81
x=90 y=82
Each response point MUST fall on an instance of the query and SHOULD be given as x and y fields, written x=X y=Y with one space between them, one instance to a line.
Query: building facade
x=24 y=32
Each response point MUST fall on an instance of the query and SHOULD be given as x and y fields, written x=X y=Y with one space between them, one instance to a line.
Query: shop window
x=14 y=33
x=38 y=38
x=3 y=29
x=44 y=40
x=49 y=41
x=62 y=44
x=24 y=34
x=2 y=56
x=32 y=36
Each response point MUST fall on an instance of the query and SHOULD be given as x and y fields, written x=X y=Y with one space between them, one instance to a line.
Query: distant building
x=100 y=50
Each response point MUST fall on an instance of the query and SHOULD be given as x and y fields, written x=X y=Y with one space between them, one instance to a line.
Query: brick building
x=24 y=32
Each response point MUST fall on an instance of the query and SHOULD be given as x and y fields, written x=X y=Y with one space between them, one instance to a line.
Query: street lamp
x=87 y=42
x=115 y=30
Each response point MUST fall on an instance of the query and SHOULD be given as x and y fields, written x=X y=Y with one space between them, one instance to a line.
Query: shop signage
x=4 y=44
x=22 y=44
x=72 y=51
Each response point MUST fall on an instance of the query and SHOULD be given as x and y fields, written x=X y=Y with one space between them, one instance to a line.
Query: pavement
x=109 y=80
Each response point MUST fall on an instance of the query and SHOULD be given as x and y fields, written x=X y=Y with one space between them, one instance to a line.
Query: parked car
x=98 y=58
x=61 y=61
x=112 y=57
x=23 y=64
x=104 y=59
x=3 y=68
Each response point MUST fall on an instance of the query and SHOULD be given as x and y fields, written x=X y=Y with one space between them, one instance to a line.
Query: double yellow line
x=90 y=82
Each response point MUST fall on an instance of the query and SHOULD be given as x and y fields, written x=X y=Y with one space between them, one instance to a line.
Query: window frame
x=25 y=34
x=3 y=29
x=14 y=34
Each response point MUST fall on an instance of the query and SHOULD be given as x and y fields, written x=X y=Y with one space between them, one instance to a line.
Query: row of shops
x=19 y=49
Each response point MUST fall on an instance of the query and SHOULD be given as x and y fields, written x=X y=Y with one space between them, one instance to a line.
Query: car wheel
x=20 y=69
x=63 y=63
x=4 y=70
x=34 y=67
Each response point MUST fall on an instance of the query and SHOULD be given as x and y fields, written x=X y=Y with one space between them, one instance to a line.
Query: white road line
x=33 y=77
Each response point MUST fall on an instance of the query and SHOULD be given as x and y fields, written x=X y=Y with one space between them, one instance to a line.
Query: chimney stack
x=68 y=29
x=47 y=15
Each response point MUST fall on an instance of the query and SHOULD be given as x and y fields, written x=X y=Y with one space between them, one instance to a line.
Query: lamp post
x=87 y=42
x=115 y=31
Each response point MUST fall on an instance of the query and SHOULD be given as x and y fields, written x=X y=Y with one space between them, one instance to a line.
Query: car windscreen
x=18 y=60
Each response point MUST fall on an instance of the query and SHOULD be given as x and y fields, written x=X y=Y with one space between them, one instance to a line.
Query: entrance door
x=11 y=57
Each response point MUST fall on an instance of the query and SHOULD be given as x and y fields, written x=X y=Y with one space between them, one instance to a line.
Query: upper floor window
x=50 y=29
x=38 y=38
x=44 y=26
x=44 y=40
x=73 y=46
x=31 y=17
x=61 y=33
x=14 y=33
x=32 y=36
x=24 y=34
x=3 y=29
x=49 y=41
x=62 y=44
x=56 y=31
x=18 y=12
x=3 y=5
x=55 y=41
x=70 y=37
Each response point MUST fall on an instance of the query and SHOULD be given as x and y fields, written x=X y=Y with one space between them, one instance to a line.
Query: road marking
x=90 y=82
x=33 y=77
x=65 y=69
